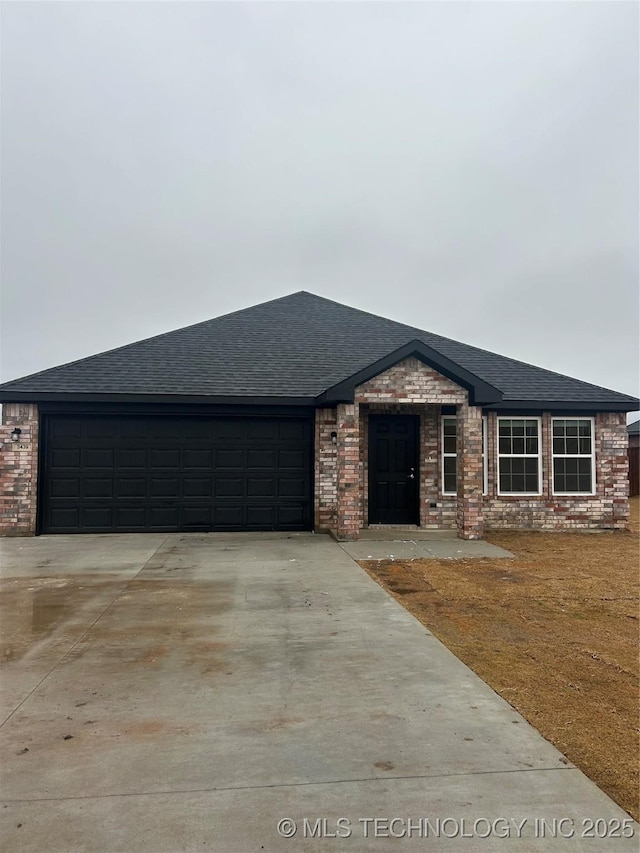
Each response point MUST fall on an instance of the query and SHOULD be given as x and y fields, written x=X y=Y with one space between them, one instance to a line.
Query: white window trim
x=443 y=455
x=485 y=457
x=500 y=456
x=575 y=456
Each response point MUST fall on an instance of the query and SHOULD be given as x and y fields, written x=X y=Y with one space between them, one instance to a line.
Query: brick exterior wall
x=349 y=519
x=326 y=471
x=341 y=482
x=413 y=388
x=410 y=381
x=18 y=470
x=607 y=509
x=469 y=470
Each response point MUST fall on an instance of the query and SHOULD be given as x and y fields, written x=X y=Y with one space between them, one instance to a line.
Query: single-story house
x=305 y=414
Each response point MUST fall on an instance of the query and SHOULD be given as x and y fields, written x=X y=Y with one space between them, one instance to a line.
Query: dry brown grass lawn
x=555 y=632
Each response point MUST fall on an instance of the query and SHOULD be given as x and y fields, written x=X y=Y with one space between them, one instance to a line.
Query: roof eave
x=567 y=406
x=7 y=396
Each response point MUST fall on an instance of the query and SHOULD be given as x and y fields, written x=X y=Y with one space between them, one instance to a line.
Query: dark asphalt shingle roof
x=634 y=428
x=295 y=346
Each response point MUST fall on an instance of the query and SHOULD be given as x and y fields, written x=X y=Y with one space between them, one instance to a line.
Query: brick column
x=349 y=510
x=469 y=452
x=326 y=463
x=612 y=467
x=18 y=470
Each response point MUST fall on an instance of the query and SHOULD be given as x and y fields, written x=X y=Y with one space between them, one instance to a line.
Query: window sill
x=510 y=496
x=574 y=495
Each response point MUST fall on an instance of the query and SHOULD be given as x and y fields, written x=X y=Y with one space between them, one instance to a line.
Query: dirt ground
x=554 y=632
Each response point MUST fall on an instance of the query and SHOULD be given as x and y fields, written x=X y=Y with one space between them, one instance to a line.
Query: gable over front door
x=393 y=469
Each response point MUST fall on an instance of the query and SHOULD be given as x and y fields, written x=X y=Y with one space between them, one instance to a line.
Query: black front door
x=393 y=469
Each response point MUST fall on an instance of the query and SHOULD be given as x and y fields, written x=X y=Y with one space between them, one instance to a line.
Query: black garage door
x=166 y=473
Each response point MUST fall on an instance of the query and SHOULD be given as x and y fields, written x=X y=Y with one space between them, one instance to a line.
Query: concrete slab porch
x=409 y=547
x=191 y=692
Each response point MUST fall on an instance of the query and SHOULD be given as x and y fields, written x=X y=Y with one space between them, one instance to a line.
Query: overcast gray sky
x=468 y=168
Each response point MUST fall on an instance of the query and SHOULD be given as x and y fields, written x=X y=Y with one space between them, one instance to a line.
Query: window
x=573 y=457
x=449 y=464
x=449 y=458
x=519 y=459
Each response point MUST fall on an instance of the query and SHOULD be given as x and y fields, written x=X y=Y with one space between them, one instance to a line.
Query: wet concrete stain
x=33 y=608
x=139 y=621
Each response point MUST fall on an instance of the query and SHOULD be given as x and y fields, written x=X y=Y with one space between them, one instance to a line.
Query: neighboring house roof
x=634 y=428
x=296 y=349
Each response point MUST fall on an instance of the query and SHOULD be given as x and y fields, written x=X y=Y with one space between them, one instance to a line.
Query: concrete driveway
x=188 y=692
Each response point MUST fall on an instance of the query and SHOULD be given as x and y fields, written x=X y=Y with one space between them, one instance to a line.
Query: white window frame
x=443 y=455
x=537 y=455
x=485 y=456
x=575 y=456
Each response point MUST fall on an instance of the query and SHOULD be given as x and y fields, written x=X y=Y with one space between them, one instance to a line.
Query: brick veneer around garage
x=18 y=470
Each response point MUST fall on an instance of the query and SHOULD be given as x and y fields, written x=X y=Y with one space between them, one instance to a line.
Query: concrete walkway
x=189 y=692
x=386 y=545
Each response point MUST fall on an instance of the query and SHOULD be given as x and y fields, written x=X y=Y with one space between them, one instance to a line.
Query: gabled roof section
x=634 y=428
x=480 y=392
x=293 y=350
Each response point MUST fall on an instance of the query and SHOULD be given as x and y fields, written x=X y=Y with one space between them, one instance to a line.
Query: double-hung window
x=449 y=466
x=449 y=459
x=573 y=456
x=519 y=457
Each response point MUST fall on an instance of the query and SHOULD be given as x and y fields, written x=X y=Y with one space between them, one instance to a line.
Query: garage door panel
x=162 y=517
x=259 y=516
x=65 y=458
x=98 y=487
x=291 y=459
x=64 y=518
x=290 y=516
x=262 y=431
x=130 y=517
x=230 y=459
x=67 y=431
x=131 y=458
x=196 y=517
x=230 y=430
x=229 y=517
x=197 y=458
x=260 y=458
x=291 y=487
x=261 y=487
x=291 y=430
x=97 y=517
x=65 y=487
x=136 y=473
x=98 y=458
x=229 y=487
x=131 y=487
x=100 y=429
x=194 y=430
x=163 y=429
x=165 y=459
x=164 y=487
x=197 y=487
